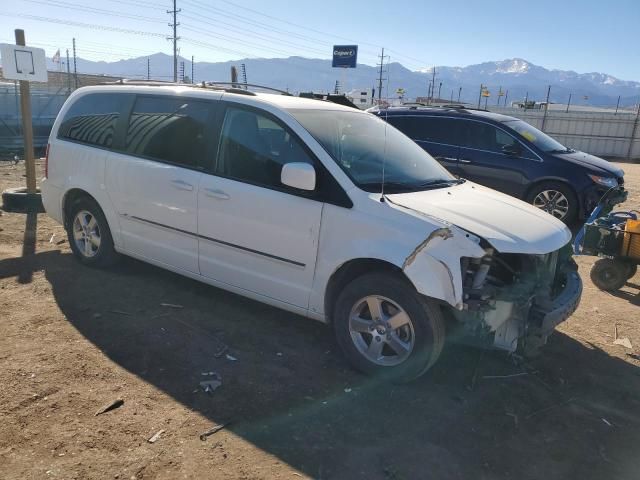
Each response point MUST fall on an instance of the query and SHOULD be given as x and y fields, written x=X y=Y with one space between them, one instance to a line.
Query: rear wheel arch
x=72 y=196
x=349 y=271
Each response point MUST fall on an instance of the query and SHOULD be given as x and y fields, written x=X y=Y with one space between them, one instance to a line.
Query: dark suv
x=509 y=155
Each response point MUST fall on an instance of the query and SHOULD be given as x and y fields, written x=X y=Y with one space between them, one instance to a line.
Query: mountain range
x=520 y=77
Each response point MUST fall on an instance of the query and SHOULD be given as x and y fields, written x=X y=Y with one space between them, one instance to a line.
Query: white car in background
x=312 y=207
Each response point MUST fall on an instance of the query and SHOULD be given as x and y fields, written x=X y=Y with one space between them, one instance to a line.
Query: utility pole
x=546 y=108
x=617 y=105
x=480 y=95
x=568 y=103
x=75 y=69
x=506 y=95
x=175 y=38
x=380 y=79
x=526 y=99
x=633 y=133
x=193 y=80
x=459 y=93
x=433 y=83
x=148 y=69
x=68 y=75
x=440 y=91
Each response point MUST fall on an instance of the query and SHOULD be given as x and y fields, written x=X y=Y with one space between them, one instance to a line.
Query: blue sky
x=584 y=36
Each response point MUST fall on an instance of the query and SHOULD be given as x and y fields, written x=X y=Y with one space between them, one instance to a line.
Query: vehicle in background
x=509 y=155
x=313 y=207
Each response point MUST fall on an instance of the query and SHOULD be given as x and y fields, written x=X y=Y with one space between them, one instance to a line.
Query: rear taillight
x=46 y=162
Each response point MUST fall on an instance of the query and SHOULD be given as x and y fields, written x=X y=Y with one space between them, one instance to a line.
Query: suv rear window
x=92 y=118
x=427 y=129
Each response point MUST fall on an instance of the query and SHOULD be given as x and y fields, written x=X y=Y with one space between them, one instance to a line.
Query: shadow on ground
x=286 y=393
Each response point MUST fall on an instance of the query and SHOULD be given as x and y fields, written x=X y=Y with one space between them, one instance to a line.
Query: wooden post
x=27 y=127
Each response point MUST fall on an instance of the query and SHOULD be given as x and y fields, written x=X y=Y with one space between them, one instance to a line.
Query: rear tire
x=555 y=198
x=609 y=275
x=89 y=235
x=385 y=328
x=633 y=269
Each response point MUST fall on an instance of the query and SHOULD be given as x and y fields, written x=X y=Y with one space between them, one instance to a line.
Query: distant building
x=362 y=98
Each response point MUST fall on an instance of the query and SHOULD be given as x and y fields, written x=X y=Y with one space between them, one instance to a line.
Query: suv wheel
x=89 y=235
x=384 y=327
x=556 y=199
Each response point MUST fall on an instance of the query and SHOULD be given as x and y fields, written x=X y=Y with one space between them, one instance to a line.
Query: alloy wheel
x=552 y=202
x=86 y=233
x=381 y=330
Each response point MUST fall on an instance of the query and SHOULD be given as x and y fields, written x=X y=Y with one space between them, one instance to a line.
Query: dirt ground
x=73 y=339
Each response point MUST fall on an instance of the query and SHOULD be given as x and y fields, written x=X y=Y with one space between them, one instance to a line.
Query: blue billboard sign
x=345 y=56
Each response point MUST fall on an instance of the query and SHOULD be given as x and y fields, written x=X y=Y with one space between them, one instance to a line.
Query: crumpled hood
x=588 y=160
x=508 y=224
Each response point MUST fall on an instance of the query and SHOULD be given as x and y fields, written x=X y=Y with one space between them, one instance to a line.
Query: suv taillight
x=46 y=162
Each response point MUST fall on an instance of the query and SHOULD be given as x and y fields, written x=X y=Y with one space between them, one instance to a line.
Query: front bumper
x=543 y=321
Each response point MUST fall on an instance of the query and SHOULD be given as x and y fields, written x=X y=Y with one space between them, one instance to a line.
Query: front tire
x=556 y=199
x=89 y=235
x=385 y=328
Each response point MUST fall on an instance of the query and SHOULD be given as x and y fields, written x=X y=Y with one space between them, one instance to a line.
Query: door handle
x=219 y=194
x=464 y=160
x=182 y=185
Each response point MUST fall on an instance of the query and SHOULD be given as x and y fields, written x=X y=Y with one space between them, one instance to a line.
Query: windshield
x=541 y=140
x=360 y=143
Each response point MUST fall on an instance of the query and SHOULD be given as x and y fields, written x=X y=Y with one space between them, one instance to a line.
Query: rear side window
x=92 y=118
x=169 y=129
x=428 y=129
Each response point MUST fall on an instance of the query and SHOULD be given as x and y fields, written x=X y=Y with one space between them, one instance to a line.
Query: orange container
x=631 y=242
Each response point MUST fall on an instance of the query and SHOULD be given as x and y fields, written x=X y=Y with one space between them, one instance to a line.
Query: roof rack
x=230 y=87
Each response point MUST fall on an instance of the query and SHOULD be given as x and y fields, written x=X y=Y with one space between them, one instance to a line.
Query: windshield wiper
x=441 y=183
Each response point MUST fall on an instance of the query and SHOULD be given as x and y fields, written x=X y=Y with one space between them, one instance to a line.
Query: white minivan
x=316 y=208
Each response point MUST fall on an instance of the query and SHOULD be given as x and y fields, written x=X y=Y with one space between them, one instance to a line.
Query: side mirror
x=513 y=150
x=298 y=175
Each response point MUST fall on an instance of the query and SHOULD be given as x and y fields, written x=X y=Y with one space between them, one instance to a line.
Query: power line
x=82 y=24
x=58 y=3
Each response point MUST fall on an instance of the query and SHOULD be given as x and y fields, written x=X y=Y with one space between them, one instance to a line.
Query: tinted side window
x=92 y=118
x=483 y=136
x=254 y=147
x=169 y=129
x=428 y=129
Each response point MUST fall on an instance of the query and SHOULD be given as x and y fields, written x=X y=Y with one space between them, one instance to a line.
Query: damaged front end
x=513 y=301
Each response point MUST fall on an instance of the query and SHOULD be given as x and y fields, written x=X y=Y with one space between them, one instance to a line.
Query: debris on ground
x=209 y=386
x=52 y=237
x=211 y=431
x=279 y=354
x=155 y=437
x=171 y=305
x=347 y=390
x=515 y=418
x=623 y=341
x=221 y=351
x=607 y=422
x=110 y=406
x=550 y=407
x=231 y=358
x=494 y=377
x=121 y=312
